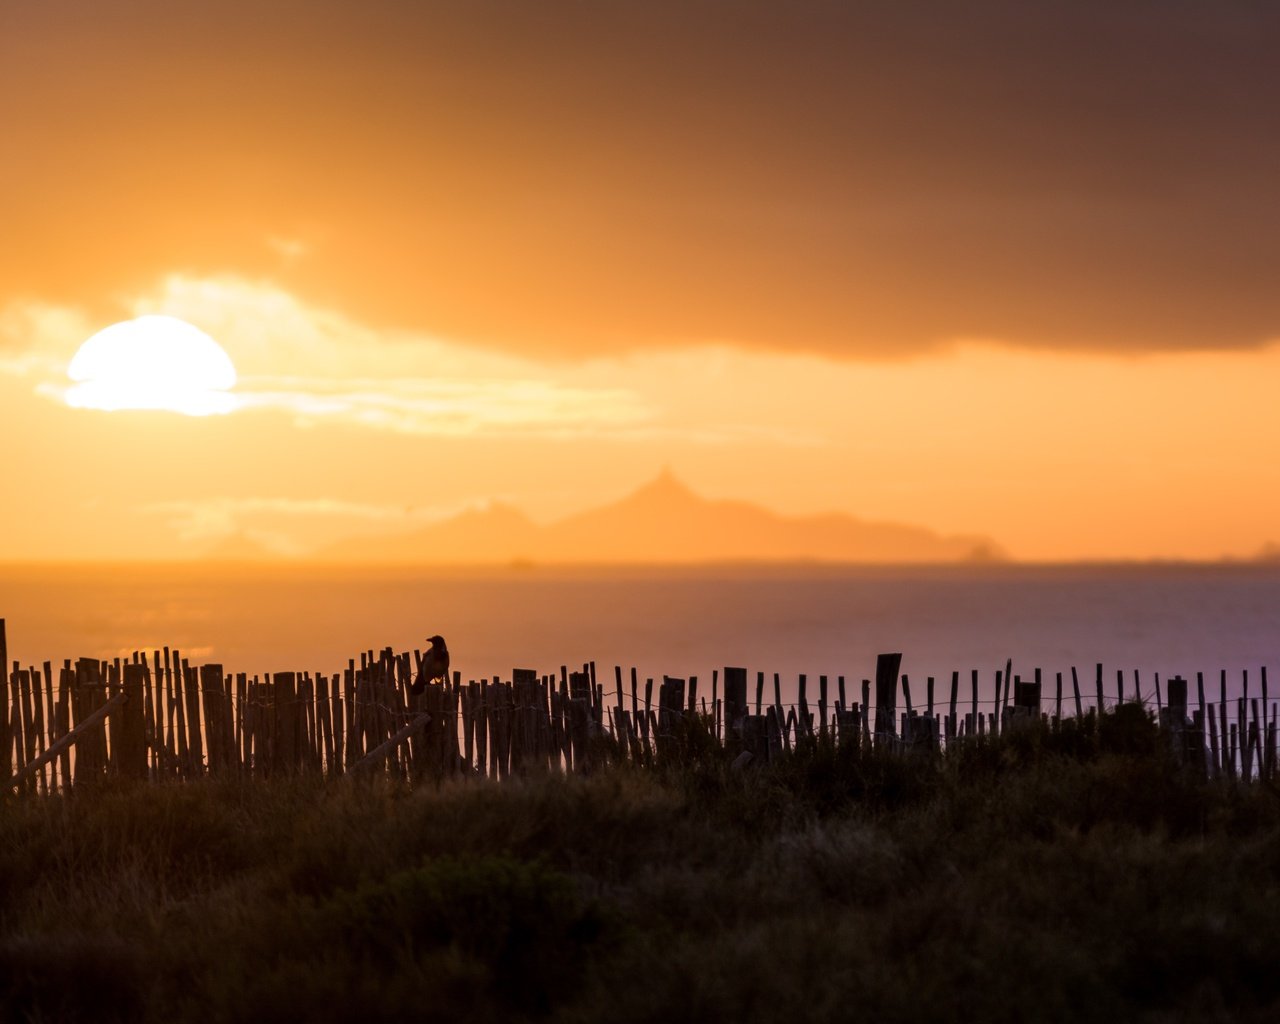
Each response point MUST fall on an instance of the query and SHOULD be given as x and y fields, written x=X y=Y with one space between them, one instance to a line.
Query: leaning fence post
x=75 y=735
x=381 y=751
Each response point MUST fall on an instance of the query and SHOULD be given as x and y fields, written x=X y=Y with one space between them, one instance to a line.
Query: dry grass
x=1050 y=877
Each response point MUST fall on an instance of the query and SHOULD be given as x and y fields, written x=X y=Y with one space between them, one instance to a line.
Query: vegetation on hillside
x=1070 y=875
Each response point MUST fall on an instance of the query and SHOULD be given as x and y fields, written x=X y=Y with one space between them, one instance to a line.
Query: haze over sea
x=1166 y=619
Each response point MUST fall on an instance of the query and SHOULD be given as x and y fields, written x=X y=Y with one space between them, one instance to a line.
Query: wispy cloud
x=346 y=372
x=215 y=517
x=37 y=339
x=290 y=250
x=412 y=383
x=319 y=367
x=288 y=526
x=449 y=407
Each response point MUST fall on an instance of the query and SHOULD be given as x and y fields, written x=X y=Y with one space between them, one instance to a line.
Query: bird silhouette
x=433 y=665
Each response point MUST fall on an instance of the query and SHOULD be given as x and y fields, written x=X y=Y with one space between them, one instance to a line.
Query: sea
x=1142 y=621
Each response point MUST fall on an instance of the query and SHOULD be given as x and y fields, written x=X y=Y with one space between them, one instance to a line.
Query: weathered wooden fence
x=155 y=716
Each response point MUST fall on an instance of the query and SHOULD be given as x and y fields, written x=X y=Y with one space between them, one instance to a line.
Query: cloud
x=450 y=407
x=215 y=517
x=37 y=339
x=288 y=249
x=344 y=372
x=870 y=179
x=287 y=525
x=407 y=382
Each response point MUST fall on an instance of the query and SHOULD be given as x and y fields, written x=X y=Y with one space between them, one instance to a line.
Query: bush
x=1075 y=871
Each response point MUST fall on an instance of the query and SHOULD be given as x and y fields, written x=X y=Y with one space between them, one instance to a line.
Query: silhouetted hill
x=1269 y=555
x=664 y=521
x=498 y=533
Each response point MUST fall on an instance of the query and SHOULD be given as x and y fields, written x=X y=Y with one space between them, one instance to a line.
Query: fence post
x=283 y=753
x=211 y=698
x=131 y=753
x=735 y=703
x=1026 y=702
x=1173 y=717
x=887 y=666
x=5 y=753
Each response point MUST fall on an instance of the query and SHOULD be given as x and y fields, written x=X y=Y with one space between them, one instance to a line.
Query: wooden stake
x=5 y=763
x=1267 y=760
x=735 y=701
x=887 y=666
x=802 y=714
x=822 y=705
x=997 y=715
x=1200 y=692
x=131 y=755
x=955 y=687
x=37 y=706
x=1222 y=715
x=1214 y=758
x=977 y=720
x=64 y=720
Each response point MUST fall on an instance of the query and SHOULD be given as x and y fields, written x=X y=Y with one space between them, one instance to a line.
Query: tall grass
x=1050 y=876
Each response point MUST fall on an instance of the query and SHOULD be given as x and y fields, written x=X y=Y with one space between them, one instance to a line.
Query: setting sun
x=152 y=362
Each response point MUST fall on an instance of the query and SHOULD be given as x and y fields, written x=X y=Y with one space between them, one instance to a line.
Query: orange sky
x=1010 y=272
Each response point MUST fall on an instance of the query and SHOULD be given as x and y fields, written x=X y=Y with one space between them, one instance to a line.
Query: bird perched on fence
x=433 y=665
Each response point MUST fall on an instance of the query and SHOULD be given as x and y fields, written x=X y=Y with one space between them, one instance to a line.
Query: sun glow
x=152 y=362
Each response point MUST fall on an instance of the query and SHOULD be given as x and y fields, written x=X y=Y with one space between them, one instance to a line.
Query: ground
x=1051 y=877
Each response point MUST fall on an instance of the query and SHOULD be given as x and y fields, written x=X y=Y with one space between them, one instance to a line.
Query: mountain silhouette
x=663 y=521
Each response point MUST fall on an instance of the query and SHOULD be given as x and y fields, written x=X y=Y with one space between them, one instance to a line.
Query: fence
x=158 y=717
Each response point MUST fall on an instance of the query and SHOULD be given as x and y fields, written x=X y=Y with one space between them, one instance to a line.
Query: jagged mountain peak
x=665 y=521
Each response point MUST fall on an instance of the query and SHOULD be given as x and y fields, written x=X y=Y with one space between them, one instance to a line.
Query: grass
x=1068 y=876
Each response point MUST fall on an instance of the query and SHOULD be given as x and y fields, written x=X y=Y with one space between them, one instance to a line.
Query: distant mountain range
x=663 y=521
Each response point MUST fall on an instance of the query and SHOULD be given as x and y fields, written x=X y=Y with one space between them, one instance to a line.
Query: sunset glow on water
x=678 y=622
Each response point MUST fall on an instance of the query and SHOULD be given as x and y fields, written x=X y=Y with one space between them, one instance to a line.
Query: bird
x=433 y=665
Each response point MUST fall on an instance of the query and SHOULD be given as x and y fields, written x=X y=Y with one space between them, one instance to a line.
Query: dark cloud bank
x=852 y=178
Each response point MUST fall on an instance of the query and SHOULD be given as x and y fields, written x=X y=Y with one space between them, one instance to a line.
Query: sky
x=996 y=268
